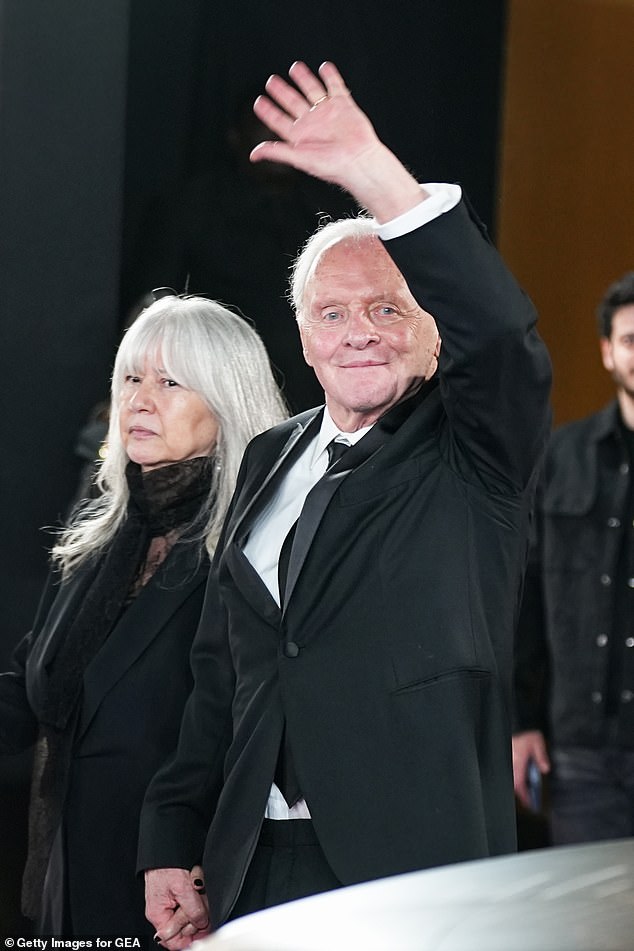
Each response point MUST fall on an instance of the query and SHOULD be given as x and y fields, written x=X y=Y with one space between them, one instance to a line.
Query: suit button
x=614 y=522
x=291 y=649
x=597 y=697
x=606 y=581
x=629 y=641
x=627 y=696
x=602 y=640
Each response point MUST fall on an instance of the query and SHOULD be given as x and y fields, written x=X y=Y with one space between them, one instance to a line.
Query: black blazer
x=391 y=660
x=134 y=692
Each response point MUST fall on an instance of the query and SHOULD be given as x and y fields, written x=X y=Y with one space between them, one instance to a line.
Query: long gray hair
x=216 y=354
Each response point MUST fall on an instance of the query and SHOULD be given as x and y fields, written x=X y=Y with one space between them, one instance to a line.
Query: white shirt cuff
x=442 y=197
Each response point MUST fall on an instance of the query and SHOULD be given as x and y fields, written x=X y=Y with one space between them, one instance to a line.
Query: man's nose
x=360 y=330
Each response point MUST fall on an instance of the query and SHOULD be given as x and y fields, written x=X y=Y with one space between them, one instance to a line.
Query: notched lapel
x=250 y=584
x=302 y=432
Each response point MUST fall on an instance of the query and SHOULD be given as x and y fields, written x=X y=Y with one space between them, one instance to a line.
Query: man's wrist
x=381 y=184
x=435 y=199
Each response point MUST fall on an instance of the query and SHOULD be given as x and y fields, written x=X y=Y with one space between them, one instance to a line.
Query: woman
x=100 y=682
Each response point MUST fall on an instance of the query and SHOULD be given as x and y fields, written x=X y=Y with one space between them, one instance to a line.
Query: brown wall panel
x=566 y=214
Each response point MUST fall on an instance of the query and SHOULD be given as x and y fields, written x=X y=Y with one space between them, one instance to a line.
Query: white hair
x=332 y=232
x=216 y=354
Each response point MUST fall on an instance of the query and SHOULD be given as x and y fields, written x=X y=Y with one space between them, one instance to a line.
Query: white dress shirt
x=272 y=525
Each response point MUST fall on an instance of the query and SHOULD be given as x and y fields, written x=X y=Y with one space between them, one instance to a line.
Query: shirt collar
x=328 y=432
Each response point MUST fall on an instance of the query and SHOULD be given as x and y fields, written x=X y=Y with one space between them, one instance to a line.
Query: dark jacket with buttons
x=563 y=641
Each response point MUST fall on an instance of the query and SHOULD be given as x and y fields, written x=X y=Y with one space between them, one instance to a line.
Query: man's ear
x=606 y=353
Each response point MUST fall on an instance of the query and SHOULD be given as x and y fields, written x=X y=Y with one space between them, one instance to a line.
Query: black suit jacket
x=391 y=660
x=134 y=692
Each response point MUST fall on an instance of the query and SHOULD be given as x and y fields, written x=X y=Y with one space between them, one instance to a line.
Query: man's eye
x=332 y=317
x=385 y=314
x=169 y=383
x=132 y=378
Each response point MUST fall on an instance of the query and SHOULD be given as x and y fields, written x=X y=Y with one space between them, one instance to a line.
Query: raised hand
x=321 y=128
x=323 y=132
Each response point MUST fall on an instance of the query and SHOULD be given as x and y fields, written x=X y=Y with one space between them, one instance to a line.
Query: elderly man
x=350 y=717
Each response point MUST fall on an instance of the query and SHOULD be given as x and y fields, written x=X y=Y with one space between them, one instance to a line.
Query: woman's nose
x=142 y=399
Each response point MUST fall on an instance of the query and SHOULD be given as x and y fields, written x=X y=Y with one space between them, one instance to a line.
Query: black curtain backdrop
x=121 y=171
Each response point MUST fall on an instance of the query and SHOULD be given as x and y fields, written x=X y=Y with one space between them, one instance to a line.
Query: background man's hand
x=528 y=746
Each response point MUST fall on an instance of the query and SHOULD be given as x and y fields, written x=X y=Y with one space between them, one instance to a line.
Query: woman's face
x=162 y=422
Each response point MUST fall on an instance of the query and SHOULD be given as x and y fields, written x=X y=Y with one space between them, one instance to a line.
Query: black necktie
x=285 y=777
x=335 y=450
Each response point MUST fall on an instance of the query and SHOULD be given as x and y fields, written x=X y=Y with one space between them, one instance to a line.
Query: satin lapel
x=250 y=584
x=320 y=495
x=140 y=624
x=296 y=442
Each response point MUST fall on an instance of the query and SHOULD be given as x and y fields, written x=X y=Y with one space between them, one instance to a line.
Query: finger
x=273 y=117
x=180 y=920
x=522 y=794
x=287 y=97
x=333 y=80
x=179 y=943
x=543 y=762
x=312 y=88
x=273 y=152
x=198 y=879
x=189 y=930
x=173 y=928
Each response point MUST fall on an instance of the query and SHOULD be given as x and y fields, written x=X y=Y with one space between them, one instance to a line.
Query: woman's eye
x=169 y=383
x=132 y=378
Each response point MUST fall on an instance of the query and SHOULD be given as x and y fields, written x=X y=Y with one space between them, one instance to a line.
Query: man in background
x=574 y=666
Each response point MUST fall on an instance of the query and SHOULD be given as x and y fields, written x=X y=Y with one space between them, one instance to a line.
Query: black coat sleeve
x=18 y=723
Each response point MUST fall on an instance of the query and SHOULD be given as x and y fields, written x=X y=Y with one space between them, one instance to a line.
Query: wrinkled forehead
x=356 y=268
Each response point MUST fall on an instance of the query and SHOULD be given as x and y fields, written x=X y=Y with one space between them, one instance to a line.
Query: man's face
x=617 y=351
x=365 y=336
